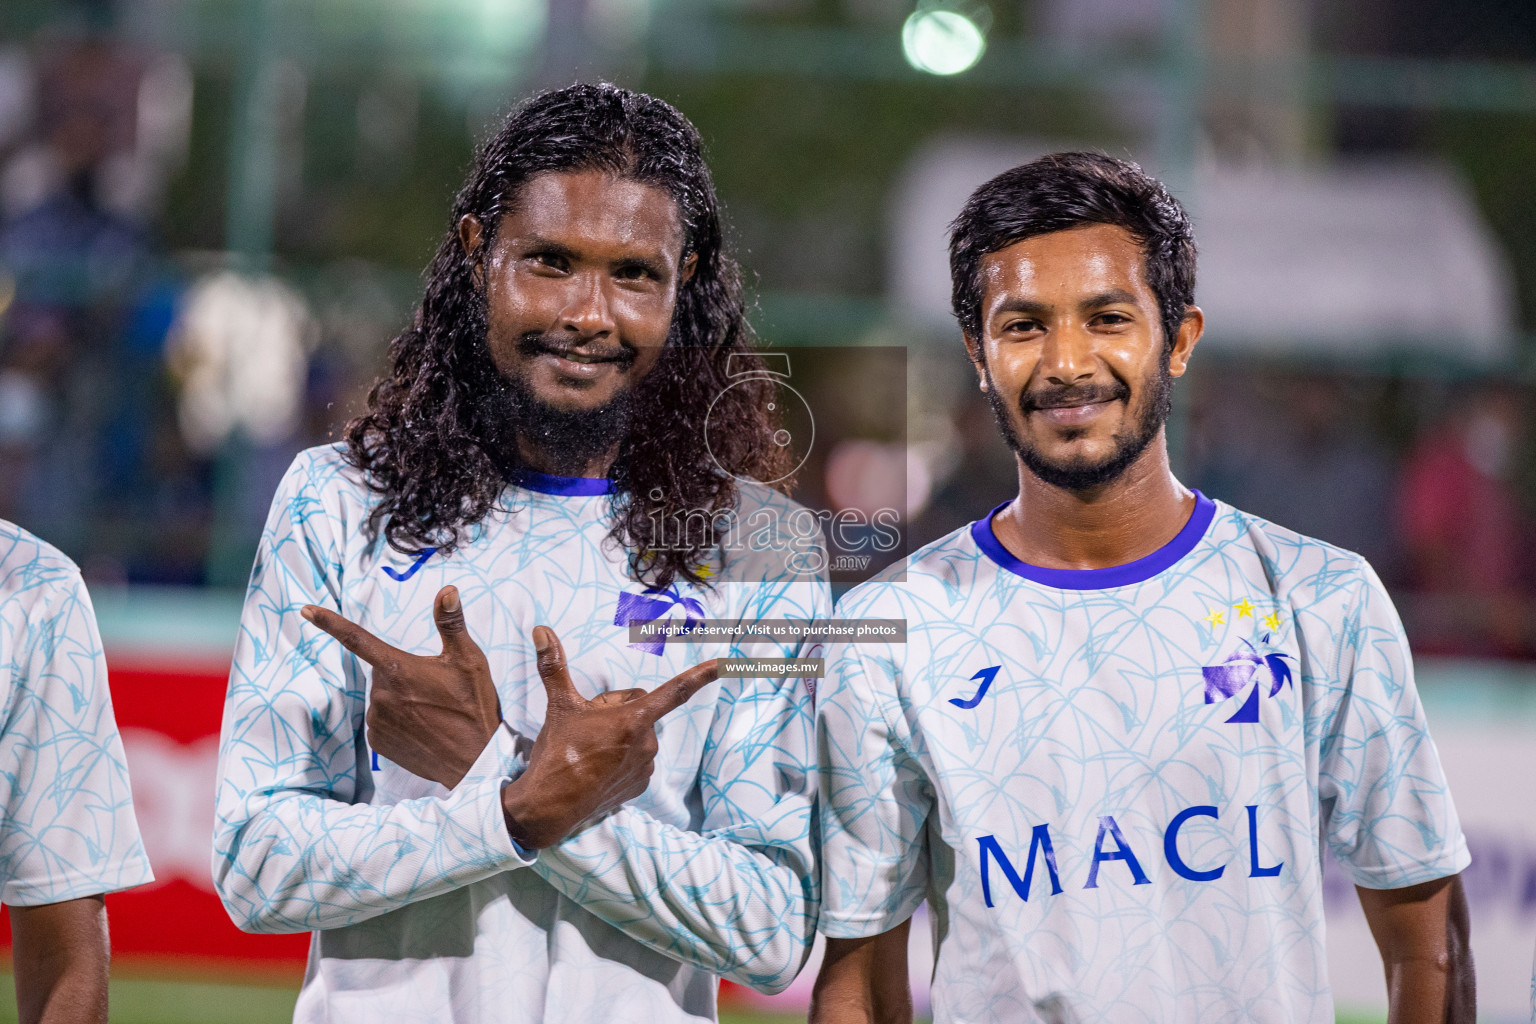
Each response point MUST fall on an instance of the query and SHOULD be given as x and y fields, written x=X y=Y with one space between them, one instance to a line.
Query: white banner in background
x=1492 y=770
x=173 y=786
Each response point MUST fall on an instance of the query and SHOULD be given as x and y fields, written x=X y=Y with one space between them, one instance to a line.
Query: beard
x=569 y=440
x=1080 y=473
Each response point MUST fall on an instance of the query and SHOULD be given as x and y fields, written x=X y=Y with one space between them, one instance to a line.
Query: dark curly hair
x=1066 y=190
x=426 y=444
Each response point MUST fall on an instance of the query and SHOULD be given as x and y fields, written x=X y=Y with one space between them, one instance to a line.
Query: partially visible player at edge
x=67 y=828
x=1127 y=716
x=468 y=820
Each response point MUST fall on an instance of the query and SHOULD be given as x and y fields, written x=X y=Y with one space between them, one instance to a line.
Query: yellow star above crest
x=1244 y=610
x=1216 y=618
x=703 y=571
x=1272 y=621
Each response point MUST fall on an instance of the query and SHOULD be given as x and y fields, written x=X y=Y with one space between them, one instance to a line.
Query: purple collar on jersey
x=1099 y=579
x=571 y=486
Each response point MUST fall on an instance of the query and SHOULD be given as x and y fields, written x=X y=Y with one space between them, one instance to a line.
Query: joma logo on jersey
x=1043 y=851
x=421 y=559
x=984 y=677
x=1247 y=665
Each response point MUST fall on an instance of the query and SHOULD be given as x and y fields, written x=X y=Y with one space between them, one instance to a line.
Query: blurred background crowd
x=214 y=215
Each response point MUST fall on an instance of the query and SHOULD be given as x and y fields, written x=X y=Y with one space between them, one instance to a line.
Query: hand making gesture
x=434 y=715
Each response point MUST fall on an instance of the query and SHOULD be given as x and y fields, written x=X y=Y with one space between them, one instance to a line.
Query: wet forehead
x=595 y=210
x=1062 y=267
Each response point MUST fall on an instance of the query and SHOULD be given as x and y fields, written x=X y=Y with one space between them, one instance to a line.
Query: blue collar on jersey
x=571 y=486
x=1099 y=579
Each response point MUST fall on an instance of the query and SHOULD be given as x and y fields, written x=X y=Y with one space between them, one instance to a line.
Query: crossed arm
x=434 y=716
x=300 y=846
x=1420 y=930
x=295 y=853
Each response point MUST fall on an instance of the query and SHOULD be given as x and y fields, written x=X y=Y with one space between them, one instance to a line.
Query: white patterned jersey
x=422 y=908
x=67 y=827
x=1112 y=785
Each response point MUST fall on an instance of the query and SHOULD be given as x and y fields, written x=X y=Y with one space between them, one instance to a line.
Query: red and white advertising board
x=168 y=680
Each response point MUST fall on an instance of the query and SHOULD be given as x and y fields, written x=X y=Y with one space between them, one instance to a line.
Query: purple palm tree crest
x=1232 y=676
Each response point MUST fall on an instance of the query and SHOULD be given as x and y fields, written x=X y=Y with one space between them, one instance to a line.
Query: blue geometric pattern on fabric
x=67 y=827
x=423 y=908
x=1103 y=838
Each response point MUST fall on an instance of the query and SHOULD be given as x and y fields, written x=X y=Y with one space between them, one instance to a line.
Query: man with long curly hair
x=524 y=827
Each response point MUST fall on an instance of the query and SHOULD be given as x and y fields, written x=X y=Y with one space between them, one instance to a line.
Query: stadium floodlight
x=942 y=42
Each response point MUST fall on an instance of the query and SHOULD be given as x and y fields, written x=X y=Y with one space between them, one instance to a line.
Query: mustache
x=1058 y=396
x=540 y=343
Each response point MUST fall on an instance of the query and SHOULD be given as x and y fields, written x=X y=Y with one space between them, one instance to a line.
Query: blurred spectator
x=1465 y=534
x=1298 y=450
x=80 y=366
x=981 y=473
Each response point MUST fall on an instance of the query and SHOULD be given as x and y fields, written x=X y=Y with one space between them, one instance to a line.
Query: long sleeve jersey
x=422 y=906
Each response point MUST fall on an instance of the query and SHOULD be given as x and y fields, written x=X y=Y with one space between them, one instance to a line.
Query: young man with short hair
x=545 y=821
x=1127 y=716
